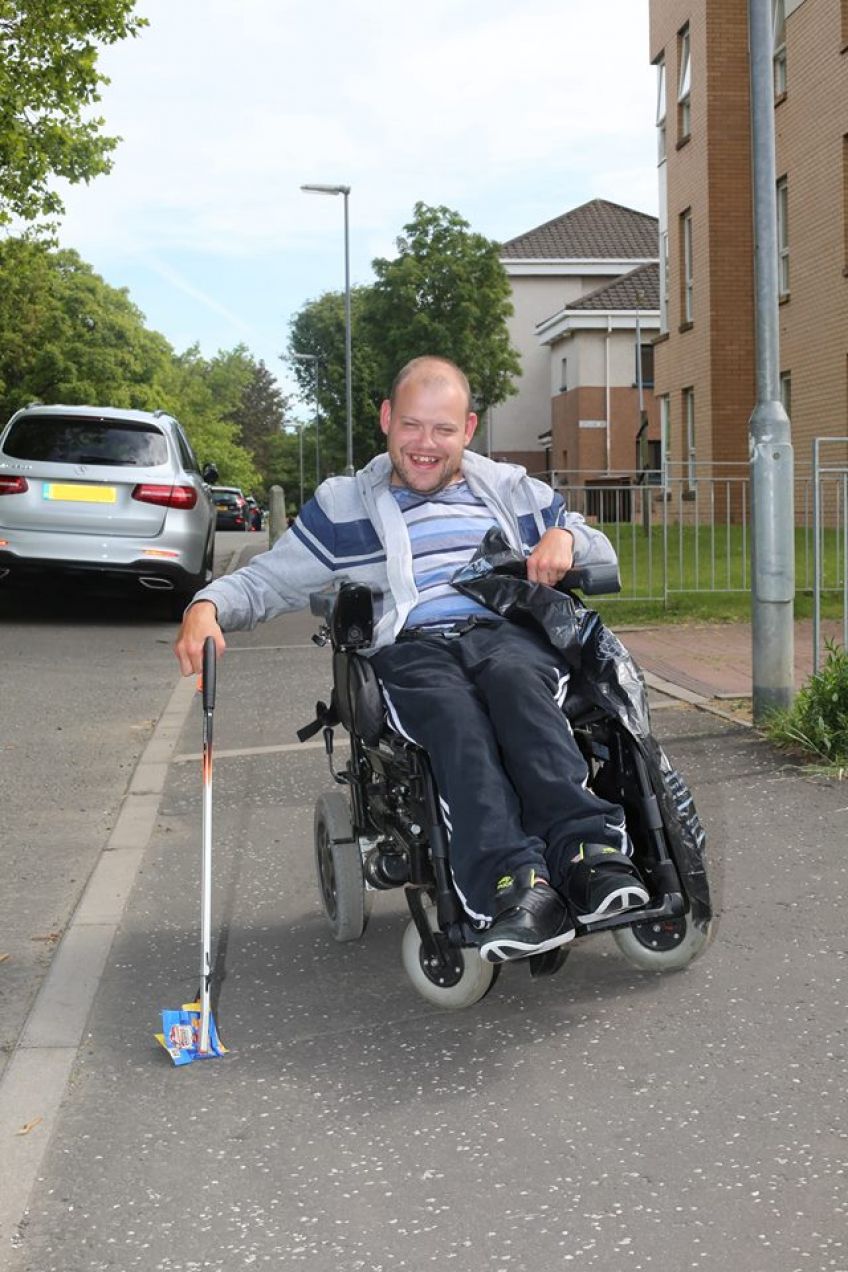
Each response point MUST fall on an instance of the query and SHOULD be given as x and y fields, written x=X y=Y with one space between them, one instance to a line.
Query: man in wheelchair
x=532 y=849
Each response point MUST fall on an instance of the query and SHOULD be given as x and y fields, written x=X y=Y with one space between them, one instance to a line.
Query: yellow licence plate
x=70 y=493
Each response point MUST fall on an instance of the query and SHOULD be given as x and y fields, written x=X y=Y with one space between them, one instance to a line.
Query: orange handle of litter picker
x=207 y=680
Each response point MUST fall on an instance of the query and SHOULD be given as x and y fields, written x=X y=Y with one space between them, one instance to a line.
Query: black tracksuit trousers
x=487 y=708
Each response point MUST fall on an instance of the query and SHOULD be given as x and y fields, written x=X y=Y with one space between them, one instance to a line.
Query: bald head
x=428 y=422
x=431 y=371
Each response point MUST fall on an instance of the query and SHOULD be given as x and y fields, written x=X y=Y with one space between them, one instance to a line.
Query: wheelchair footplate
x=672 y=906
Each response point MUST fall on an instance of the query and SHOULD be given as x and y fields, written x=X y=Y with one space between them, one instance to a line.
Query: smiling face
x=428 y=428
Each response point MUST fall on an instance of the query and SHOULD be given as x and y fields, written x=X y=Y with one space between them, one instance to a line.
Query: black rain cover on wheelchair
x=607 y=676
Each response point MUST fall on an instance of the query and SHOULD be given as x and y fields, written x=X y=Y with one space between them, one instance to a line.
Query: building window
x=779 y=46
x=664 y=281
x=845 y=198
x=786 y=392
x=645 y=366
x=684 y=84
x=661 y=110
x=563 y=375
x=783 y=237
x=686 y=271
x=654 y=462
x=689 y=438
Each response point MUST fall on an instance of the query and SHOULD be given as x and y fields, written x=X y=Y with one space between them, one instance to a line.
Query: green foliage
x=203 y=395
x=319 y=331
x=817 y=721
x=66 y=336
x=48 y=82
x=445 y=293
x=284 y=465
x=260 y=414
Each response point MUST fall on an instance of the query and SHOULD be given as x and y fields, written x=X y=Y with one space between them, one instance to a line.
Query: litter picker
x=190 y=1033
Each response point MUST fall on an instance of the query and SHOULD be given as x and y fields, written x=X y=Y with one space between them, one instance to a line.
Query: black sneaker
x=531 y=918
x=603 y=882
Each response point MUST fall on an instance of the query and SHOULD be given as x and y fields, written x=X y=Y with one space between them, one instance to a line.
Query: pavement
x=710 y=664
x=605 y=1117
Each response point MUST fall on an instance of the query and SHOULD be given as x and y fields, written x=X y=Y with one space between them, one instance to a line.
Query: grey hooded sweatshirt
x=353 y=529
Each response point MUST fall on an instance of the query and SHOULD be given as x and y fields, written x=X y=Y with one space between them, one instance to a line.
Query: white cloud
x=227 y=106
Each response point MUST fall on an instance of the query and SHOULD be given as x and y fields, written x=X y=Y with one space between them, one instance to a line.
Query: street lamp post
x=345 y=191
x=300 y=458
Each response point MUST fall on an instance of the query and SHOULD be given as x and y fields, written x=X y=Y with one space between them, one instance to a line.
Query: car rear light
x=166 y=496
x=13 y=485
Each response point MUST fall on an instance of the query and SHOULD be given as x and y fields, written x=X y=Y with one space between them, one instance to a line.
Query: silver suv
x=98 y=491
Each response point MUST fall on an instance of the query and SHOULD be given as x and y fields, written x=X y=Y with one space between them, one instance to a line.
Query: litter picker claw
x=190 y=1033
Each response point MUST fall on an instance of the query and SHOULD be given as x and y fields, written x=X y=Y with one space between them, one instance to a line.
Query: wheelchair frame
x=393 y=835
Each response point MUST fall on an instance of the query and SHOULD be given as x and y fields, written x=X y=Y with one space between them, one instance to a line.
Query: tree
x=319 y=332
x=445 y=293
x=48 y=82
x=284 y=452
x=202 y=394
x=260 y=414
x=67 y=336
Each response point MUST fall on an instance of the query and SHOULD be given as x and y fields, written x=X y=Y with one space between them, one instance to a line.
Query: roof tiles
x=639 y=289
x=597 y=230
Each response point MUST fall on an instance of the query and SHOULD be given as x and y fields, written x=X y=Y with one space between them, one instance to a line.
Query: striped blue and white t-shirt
x=445 y=530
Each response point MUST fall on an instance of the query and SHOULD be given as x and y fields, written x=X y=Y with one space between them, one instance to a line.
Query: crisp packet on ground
x=180 y=1035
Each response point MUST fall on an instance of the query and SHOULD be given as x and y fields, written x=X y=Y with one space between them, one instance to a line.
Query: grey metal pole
x=639 y=384
x=348 y=359
x=769 y=432
x=300 y=456
x=317 y=447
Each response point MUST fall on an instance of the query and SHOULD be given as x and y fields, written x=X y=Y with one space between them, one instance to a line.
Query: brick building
x=604 y=416
x=585 y=293
x=705 y=355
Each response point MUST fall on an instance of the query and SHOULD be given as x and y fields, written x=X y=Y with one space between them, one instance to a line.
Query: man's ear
x=470 y=426
x=385 y=416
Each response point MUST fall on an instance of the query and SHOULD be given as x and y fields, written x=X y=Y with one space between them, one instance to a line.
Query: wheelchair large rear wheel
x=662 y=945
x=465 y=980
x=338 y=864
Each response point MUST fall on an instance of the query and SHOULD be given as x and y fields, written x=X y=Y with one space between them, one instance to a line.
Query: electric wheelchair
x=386 y=831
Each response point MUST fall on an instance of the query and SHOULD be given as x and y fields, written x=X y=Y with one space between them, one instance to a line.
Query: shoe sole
x=505 y=950
x=629 y=897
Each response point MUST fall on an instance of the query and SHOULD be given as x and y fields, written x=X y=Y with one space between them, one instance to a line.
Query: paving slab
x=714 y=660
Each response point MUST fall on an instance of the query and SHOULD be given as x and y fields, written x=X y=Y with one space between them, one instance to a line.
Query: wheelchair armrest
x=592 y=580
x=348 y=613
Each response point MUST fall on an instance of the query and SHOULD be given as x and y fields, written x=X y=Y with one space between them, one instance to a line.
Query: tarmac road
x=603 y=1118
x=83 y=680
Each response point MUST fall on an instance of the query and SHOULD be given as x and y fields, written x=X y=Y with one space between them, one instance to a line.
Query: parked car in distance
x=231 y=507
x=107 y=494
x=254 y=514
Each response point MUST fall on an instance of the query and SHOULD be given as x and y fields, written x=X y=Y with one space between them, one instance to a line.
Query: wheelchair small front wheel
x=662 y=945
x=460 y=980
x=338 y=864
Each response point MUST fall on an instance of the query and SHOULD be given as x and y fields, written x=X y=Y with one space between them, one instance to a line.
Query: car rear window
x=225 y=500
x=73 y=439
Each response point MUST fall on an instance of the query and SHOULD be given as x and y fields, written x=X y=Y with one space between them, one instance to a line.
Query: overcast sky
x=509 y=114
